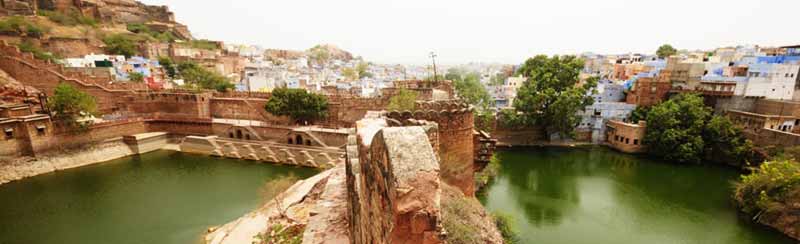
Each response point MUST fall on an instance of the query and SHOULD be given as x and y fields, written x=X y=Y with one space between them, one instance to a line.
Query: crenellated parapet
x=456 y=124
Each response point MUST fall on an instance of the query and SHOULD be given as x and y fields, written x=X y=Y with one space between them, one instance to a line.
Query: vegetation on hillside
x=552 y=96
x=68 y=104
x=299 y=104
x=683 y=130
x=38 y=52
x=19 y=25
x=277 y=233
x=465 y=219
x=203 y=44
x=505 y=224
x=281 y=234
x=122 y=44
x=169 y=66
x=769 y=188
x=485 y=176
x=404 y=100
x=71 y=18
x=139 y=28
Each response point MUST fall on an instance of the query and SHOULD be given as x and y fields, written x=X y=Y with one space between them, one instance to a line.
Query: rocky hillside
x=70 y=28
x=321 y=53
x=11 y=91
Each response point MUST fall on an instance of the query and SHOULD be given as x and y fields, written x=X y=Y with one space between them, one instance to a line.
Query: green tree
x=69 y=104
x=404 y=100
x=350 y=73
x=772 y=187
x=498 y=79
x=298 y=104
x=552 y=96
x=684 y=130
x=675 y=128
x=472 y=91
x=639 y=114
x=484 y=119
x=363 y=70
x=136 y=77
x=203 y=78
x=121 y=44
x=169 y=66
x=725 y=142
x=666 y=50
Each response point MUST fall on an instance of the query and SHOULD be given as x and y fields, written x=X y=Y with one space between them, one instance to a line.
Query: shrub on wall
x=405 y=100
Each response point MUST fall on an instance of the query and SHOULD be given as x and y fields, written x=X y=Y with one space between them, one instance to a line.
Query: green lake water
x=595 y=195
x=162 y=197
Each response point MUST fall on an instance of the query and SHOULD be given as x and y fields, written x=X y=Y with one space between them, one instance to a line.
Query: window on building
x=41 y=130
x=635 y=141
x=616 y=138
x=627 y=141
x=9 y=133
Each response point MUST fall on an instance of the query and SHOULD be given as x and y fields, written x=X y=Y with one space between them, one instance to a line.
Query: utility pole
x=435 y=75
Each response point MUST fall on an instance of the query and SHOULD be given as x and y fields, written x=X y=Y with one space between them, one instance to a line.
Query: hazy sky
x=460 y=31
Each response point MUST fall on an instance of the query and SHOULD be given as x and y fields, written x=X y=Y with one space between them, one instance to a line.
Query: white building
x=594 y=117
x=89 y=60
x=770 y=81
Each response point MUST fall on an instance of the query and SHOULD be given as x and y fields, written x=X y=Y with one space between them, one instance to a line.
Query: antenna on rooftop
x=435 y=75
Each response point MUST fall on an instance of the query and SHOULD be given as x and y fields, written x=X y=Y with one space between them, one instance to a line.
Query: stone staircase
x=263 y=151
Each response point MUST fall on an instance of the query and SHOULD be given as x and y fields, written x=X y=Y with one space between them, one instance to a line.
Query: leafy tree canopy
x=683 y=129
x=405 y=100
x=298 y=104
x=169 y=66
x=675 y=128
x=70 y=104
x=469 y=87
x=552 y=96
x=666 y=50
x=203 y=78
x=639 y=114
